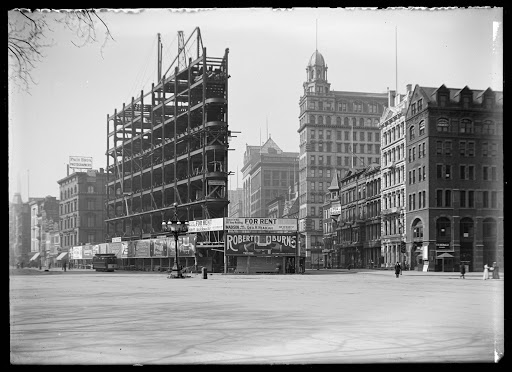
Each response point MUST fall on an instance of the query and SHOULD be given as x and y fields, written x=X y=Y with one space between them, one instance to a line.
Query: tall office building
x=268 y=172
x=338 y=130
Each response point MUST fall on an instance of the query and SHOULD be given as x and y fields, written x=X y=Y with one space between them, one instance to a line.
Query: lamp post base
x=176 y=272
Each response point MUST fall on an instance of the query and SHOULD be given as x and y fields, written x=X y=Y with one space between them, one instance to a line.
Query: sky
x=366 y=50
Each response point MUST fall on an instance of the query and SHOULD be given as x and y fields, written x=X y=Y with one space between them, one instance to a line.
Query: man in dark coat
x=398 y=269
x=462 y=270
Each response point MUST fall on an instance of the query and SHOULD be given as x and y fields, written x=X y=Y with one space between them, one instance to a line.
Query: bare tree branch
x=29 y=35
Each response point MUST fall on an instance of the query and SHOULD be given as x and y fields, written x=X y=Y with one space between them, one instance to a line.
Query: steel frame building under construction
x=171 y=145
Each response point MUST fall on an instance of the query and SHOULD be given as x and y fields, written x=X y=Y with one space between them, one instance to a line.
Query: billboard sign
x=142 y=247
x=261 y=244
x=84 y=162
x=213 y=224
x=186 y=246
x=260 y=224
x=158 y=248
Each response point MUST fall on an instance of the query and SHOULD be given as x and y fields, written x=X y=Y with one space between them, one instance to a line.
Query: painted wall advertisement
x=142 y=247
x=213 y=224
x=261 y=224
x=158 y=248
x=261 y=244
x=87 y=252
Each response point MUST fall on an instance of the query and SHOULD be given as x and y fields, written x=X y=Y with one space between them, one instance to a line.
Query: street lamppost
x=176 y=228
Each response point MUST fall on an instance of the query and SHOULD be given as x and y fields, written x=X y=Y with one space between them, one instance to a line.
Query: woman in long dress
x=486 y=272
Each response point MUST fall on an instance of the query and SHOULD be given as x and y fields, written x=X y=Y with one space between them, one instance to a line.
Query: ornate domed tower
x=316 y=78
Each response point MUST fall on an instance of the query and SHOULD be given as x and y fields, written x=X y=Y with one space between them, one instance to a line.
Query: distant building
x=268 y=172
x=82 y=208
x=454 y=168
x=19 y=231
x=338 y=131
x=43 y=213
x=235 y=202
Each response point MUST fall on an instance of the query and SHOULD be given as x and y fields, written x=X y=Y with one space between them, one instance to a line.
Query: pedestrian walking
x=462 y=270
x=495 y=271
x=486 y=272
x=64 y=266
x=398 y=269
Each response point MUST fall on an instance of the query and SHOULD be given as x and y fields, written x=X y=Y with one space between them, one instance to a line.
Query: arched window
x=338 y=121
x=311 y=119
x=443 y=125
x=320 y=119
x=443 y=228
x=422 y=127
x=411 y=132
x=328 y=120
x=417 y=229
x=345 y=121
x=361 y=122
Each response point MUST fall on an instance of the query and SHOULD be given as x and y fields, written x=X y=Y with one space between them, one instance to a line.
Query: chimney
x=391 y=98
x=409 y=88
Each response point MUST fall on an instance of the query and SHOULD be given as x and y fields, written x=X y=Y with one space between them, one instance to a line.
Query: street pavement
x=83 y=317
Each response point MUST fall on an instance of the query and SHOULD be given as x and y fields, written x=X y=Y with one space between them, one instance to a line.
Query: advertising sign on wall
x=186 y=245
x=261 y=224
x=158 y=248
x=213 y=224
x=261 y=244
x=142 y=247
x=87 y=252
x=77 y=252
x=80 y=162
x=114 y=248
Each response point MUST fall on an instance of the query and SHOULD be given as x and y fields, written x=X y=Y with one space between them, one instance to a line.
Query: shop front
x=444 y=256
x=262 y=253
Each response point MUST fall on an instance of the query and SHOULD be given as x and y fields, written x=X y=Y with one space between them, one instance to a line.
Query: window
x=424 y=174
x=328 y=159
x=419 y=174
x=312 y=121
x=328 y=120
x=320 y=147
x=422 y=127
x=485 y=149
x=320 y=160
x=493 y=173
x=462 y=148
x=462 y=201
x=448 y=148
x=420 y=104
x=462 y=172
x=471 y=199
x=413 y=109
x=361 y=148
x=338 y=121
x=411 y=132
x=338 y=135
x=443 y=227
x=485 y=199
x=443 y=125
x=361 y=136
x=312 y=160
x=466 y=126
x=470 y=149
x=346 y=135
x=423 y=152
x=485 y=171
x=90 y=189
x=471 y=172
x=439 y=148
x=448 y=171
x=439 y=171
x=338 y=160
x=313 y=186
x=328 y=134
x=494 y=199
x=329 y=146
x=361 y=122
x=312 y=173
x=488 y=127
x=354 y=136
x=448 y=198
x=320 y=133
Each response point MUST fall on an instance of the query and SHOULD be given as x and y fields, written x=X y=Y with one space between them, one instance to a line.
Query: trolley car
x=104 y=262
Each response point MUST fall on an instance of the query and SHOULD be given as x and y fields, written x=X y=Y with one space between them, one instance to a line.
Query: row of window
x=313 y=134
x=422 y=175
x=71 y=206
x=393 y=134
x=463 y=126
x=466 y=172
x=444 y=199
x=319 y=119
x=467 y=148
x=370 y=107
x=69 y=192
x=394 y=177
x=341 y=161
x=72 y=222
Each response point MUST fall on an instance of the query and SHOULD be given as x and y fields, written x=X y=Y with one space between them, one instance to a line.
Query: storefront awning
x=445 y=255
x=35 y=256
x=61 y=256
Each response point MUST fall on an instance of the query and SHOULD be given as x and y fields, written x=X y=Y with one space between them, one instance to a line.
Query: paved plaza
x=321 y=317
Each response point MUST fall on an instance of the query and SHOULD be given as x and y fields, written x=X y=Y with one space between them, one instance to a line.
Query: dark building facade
x=454 y=187
x=82 y=208
x=19 y=231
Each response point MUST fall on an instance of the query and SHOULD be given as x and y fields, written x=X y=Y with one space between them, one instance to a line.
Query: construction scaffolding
x=171 y=145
